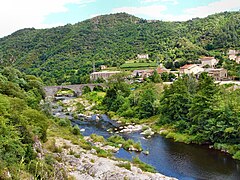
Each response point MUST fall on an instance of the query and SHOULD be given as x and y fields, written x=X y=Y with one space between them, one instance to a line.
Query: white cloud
x=204 y=11
x=154 y=11
x=94 y=15
x=152 y=1
x=18 y=14
x=159 y=12
x=215 y=7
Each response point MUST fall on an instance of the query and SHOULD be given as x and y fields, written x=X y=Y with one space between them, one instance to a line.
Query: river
x=185 y=162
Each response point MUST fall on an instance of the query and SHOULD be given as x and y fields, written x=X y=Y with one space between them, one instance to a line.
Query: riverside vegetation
x=33 y=144
x=189 y=110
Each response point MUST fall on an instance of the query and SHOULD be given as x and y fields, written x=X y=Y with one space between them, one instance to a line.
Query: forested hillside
x=66 y=54
x=22 y=124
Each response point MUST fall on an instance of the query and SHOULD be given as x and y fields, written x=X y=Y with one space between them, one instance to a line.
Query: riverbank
x=168 y=131
x=166 y=156
x=89 y=104
x=82 y=159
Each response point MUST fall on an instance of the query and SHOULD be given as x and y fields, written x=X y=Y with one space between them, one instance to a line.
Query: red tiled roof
x=206 y=58
x=186 y=66
x=161 y=70
x=150 y=70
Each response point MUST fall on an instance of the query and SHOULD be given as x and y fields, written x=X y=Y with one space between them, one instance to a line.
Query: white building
x=142 y=56
x=234 y=55
x=191 y=69
x=211 y=61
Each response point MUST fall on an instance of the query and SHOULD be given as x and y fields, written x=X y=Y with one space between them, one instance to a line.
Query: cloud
x=18 y=14
x=154 y=11
x=160 y=12
x=152 y=1
x=214 y=7
x=204 y=11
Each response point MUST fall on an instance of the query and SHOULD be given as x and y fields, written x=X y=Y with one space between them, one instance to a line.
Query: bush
x=143 y=166
x=76 y=130
x=116 y=139
x=49 y=159
x=97 y=138
x=51 y=146
x=130 y=143
x=125 y=165
x=237 y=155
x=63 y=122
x=103 y=153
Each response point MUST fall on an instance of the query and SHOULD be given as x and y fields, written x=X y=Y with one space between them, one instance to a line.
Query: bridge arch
x=66 y=89
x=77 y=88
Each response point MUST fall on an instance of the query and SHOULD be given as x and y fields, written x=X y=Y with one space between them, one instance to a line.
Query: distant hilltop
x=67 y=53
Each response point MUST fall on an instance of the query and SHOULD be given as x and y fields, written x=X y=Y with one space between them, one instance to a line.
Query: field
x=138 y=65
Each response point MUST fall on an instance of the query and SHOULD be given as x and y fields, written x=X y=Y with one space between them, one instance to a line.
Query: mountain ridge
x=67 y=53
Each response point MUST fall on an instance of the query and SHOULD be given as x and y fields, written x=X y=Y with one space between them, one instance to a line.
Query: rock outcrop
x=85 y=165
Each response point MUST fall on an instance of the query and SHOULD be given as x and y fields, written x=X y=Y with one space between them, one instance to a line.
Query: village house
x=142 y=56
x=161 y=70
x=191 y=69
x=102 y=67
x=103 y=74
x=209 y=61
x=217 y=74
x=234 y=55
x=142 y=73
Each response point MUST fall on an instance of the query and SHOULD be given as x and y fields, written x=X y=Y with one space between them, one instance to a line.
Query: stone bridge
x=77 y=88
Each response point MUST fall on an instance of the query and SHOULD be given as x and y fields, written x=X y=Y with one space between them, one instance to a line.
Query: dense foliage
x=66 y=54
x=140 y=102
x=206 y=111
x=21 y=121
x=196 y=110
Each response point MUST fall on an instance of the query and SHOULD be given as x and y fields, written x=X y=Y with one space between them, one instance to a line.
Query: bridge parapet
x=77 y=88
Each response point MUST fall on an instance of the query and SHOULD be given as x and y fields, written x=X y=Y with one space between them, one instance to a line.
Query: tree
x=11 y=148
x=176 y=101
x=146 y=102
x=201 y=110
x=155 y=77
x=164 y=76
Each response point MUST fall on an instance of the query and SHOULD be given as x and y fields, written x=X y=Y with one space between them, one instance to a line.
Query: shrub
x=103 y=153
x=97 y=138
x=143 y=166
x=76 y=130
x=116 y=139
x=237 y=155
x=51 y=146
x=125 y=165
x=130 y=143
x=49 y=159
x=71 y=152
x=62 y=122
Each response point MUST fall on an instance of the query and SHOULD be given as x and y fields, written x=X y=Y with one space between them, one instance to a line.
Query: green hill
x=66 y=53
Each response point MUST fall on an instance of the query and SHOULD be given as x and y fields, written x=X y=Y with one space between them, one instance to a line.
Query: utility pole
x=94 y=69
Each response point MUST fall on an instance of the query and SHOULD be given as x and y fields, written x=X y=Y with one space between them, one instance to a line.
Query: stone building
x=234 y=55
x=218 y=74
x=210 y=61
x=103 y=74
x=142 y=56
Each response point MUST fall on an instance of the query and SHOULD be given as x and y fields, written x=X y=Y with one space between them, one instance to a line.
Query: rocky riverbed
x=85 y=164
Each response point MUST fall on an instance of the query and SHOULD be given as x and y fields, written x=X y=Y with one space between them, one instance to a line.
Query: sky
x=19 y=14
